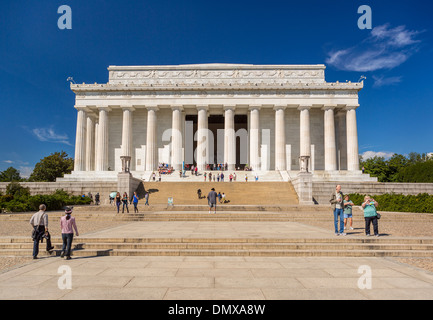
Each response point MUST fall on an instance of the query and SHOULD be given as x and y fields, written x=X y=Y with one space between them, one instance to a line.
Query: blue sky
x=36 y=58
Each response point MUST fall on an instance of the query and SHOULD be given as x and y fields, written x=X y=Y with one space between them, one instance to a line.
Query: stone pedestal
x=304 y=188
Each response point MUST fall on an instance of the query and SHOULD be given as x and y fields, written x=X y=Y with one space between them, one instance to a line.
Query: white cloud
x=49 y=135
x=382 y=154
x=8 y=161
x=25 y=172
x=385 y=48
x=382 y=81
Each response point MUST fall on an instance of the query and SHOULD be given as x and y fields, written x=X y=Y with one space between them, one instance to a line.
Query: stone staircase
x=236 y=193
x=167 y=244
x=263 y=176
x=272 y=247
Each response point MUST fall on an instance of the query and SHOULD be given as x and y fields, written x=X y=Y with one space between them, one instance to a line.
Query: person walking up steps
x=211 y=198
x=118 y=201
x=39 y=222
x=67 y=225
x=125 y=203
x=135 y=202
x=146 y=197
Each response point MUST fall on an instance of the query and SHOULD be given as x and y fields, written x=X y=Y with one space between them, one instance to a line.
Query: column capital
x=229 y=107
x=280 y=107
x=103 y=108
x=82 y=108
x=153 y=107
x=202 y=107
x=254 y=107
x=130 y=108
x=329 y=107
x=348 y=107
x=304 y=107
x=177 y=107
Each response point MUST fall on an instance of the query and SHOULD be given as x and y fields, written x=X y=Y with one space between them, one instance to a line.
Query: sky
x=37 y=57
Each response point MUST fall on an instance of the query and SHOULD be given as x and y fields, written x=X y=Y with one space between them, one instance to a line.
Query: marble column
x=229 y=137
x=254 y=137
x=90 y=143
x=329 y=139
x=96 y=142
x=305 y=137
x=127 y=131
x=176 y=141
x=80 y=141
x=102 y=143
x=280 y=138
x=305 y=134
x=202 y=138
x=151 y=142
x=352 y=139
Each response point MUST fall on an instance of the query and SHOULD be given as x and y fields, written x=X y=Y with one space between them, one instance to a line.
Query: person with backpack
x=67 y=225
x=39 y=222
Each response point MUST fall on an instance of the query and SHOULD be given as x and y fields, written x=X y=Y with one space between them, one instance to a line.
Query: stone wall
x=74 y=188
x=323 y=190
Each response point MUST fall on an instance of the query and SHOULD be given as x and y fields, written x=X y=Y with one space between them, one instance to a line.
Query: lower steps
x=372 y=247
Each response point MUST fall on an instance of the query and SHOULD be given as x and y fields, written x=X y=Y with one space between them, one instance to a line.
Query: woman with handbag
x=370 y=215
x=67 y=224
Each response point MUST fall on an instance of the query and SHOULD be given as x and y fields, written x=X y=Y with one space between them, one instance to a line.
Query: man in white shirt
x=39 y=221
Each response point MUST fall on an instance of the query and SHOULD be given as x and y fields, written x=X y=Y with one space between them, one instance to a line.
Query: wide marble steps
x=338 y=247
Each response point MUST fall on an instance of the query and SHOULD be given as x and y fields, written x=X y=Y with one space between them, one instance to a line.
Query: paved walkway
x=221 y=278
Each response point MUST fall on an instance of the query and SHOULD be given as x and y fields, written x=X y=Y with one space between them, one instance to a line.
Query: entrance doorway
x=216 y=139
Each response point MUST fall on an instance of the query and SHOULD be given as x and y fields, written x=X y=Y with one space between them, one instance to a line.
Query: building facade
x=264 y=117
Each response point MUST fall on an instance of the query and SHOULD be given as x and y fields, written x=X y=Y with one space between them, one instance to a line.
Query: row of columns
x=94 y=156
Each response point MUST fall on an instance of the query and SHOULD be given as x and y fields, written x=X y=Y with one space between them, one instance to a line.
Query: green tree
x=421 y=172
x=9 y=175
x=377 y=167
x=54 y=166
x=396 y=164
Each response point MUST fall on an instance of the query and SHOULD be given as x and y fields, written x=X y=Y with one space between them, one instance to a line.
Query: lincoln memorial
x=271 y=119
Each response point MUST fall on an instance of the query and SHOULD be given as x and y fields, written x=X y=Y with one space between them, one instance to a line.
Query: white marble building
x=263 y=116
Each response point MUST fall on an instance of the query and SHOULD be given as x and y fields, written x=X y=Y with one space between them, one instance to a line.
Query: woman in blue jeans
x=67 y=224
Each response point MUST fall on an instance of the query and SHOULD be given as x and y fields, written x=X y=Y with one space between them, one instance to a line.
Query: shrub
x=18 y=199
x=421 y=203
x=16 y=190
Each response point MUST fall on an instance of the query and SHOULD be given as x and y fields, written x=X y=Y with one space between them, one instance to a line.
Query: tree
x=9 y=175
x=377 y=167
x=396 y=164
x=54 y=166
x=421 y=172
